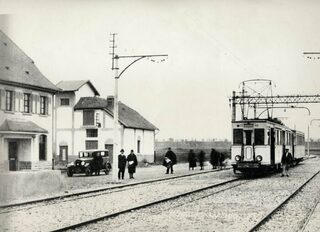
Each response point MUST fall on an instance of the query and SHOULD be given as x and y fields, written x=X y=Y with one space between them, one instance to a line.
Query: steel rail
x=270 y=214
x=306 y=221
x=112 y=215
x=60 y=197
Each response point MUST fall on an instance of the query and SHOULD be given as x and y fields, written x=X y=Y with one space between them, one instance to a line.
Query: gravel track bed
x=61 y=213
x=297 y=209
x=313 y=224
x=236 y=209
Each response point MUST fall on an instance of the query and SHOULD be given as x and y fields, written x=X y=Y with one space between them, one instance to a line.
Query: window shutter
x=3 y=99
x=21 y=101
x=13 y=101
x=32 y=102
x=17 y=101
x=48 y=105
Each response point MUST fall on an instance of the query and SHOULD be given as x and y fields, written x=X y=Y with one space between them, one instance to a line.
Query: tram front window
x=248 y=140
x=237 y=136
x=259 y=136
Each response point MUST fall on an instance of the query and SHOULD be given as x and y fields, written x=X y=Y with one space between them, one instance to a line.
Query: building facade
x=88 y=124
x=26 y=111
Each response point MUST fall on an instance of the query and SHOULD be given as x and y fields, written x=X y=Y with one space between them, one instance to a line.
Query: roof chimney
x=110 y=102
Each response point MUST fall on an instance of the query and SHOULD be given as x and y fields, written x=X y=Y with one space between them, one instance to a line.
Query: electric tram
x=258 y=145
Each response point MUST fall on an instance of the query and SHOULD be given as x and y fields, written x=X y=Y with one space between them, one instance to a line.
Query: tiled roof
x=127 y=116
x=21 y=126
x=67 y=86
x=16 y=68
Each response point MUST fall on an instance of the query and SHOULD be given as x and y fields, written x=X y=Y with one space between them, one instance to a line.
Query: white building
x=26 y=111
x=87 y=123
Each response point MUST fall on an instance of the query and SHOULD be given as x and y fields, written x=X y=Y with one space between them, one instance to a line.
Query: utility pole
x=117 y=75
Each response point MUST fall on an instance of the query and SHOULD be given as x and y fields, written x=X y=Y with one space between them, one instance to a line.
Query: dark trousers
x=168 y=168
x=121 y=173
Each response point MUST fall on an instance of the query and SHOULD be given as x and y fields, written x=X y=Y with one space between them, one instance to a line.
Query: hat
x=121 y=150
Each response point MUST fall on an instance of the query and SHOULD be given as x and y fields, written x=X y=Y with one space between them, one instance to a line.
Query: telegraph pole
x=117 y=75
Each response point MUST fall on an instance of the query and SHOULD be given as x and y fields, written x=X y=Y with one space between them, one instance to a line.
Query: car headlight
x=83 y=163
x=259 y=158
x=237 y=157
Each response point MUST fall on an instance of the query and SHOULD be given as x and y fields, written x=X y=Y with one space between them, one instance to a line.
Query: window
x=248 y=137
x=88 y=117
x=91 y=144
x=259 y=136
x=26 y=102
x=9 y=100
x=42 y=147
x=64 y=101
x=43 y=105
x=92 y=133
x=138 y=146
x=237 y=136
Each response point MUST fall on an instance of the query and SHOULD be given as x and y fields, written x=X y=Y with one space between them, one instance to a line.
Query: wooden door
x=13 y=156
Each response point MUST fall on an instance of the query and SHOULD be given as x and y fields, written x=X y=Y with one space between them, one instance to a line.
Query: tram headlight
x=83 y=163
x=237 y=158
x=259 y=158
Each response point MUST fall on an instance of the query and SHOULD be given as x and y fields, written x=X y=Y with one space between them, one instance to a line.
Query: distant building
x=85 y=122
x=26 y=111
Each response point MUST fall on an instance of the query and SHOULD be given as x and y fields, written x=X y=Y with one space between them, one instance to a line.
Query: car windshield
x=87 y=154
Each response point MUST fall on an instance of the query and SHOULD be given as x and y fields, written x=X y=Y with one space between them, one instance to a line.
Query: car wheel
x=69 y=172
x=88 y=171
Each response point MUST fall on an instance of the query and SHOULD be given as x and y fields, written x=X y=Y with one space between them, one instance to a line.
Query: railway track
x=268 y=217
x=142 y=206
x=100 y=190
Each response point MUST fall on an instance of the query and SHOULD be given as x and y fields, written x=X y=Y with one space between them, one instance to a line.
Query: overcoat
x=192 y=159
x=132 y=163
x=201 y=158
x=172 y=156
x=286 y=158
x=122 y=160
x=214 y=157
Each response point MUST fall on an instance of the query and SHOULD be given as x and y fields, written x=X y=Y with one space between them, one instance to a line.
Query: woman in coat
x=192 y=159
x=132 y=163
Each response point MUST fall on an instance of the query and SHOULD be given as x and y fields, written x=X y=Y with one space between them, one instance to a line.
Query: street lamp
x=117 y=75
x=316 y=119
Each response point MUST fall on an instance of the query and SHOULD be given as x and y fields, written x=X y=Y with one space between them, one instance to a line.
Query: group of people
x=132 y=161
x=193 y=160
x=216 y=159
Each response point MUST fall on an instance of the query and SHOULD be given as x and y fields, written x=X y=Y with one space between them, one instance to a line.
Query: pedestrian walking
x=170 y=159
x=192 y=160
x=122 y=161
x=132 y=163
x=94 y=164
x=214 y=158
x=286 y=160
x=201 y=159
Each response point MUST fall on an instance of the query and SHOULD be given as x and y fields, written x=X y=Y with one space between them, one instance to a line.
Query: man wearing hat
x=285 y=162
x=122 y=160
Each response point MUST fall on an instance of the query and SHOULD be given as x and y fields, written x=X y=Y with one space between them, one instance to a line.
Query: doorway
x=13 y=155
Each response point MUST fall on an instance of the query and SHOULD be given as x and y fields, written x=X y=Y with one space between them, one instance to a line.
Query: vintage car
x=86 y=162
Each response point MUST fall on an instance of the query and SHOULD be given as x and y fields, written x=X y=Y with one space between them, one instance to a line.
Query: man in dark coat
x=286 y=160
x=214 y=158
x=99 y=163
x=201 y=159
x=192 y=160
x=132 y=163
x=122 y=160
x=170 y=160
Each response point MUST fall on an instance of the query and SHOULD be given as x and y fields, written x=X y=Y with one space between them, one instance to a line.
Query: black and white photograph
x=149 y=115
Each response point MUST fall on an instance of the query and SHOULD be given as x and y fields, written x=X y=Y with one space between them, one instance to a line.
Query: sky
x=212 y=46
